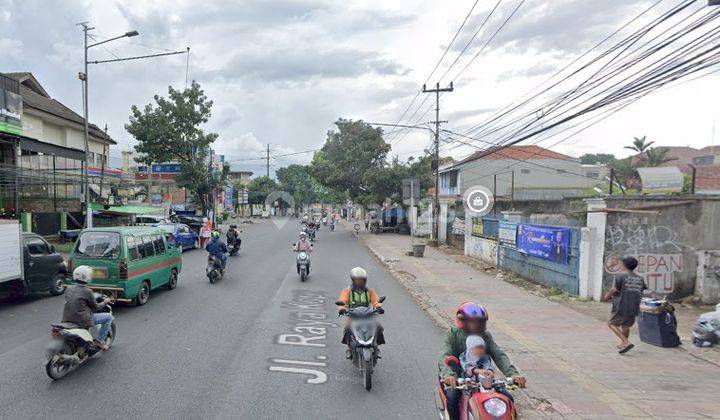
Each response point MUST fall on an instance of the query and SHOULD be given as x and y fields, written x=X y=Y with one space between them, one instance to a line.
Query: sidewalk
x=569 y=357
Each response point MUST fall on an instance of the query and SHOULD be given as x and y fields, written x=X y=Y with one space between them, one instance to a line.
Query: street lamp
x=84 y=78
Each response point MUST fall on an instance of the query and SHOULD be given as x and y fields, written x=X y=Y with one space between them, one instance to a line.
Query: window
x=183 y=229
x=98 y=245
x=159 y=244
x=148 y=245
x=132 y=247
x=525 y=171
x=36 y=246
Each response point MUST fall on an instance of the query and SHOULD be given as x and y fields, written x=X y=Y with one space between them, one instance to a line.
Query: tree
x=297 y=180
x=597 y=158
x=349 y=153
x=656 y=156
x=170 y=131
x=640 y=144
x=259 y=188
x=626 y=172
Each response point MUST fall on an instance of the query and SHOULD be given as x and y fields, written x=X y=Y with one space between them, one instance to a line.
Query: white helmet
x=358 y=273
x=82 y=274
x=303 y=234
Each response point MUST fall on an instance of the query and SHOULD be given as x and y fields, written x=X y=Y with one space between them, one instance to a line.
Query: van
x=127 y=262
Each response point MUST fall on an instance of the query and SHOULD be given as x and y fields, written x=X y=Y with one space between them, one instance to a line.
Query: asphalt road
x=216 y=351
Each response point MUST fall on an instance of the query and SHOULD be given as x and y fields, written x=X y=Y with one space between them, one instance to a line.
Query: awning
x=96 y=189
x=127 y=210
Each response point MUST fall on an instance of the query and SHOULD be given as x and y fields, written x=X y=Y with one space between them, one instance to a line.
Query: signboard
x=229 y=206
x=162 y=168
x=507 y=233
x=11 y=105
x=477 y=226
x=546 y=242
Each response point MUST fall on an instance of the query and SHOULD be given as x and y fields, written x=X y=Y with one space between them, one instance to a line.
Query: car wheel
x=57 y=284
x=172 y=283
x=143 y=294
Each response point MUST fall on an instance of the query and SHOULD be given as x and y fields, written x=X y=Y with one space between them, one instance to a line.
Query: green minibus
x=127 y=262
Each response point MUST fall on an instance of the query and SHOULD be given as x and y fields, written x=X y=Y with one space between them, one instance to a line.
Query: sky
x=280 y=72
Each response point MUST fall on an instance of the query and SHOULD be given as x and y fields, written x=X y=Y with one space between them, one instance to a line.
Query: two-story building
x=42 y=152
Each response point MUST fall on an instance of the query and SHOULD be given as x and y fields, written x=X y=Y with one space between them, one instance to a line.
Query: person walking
x=626 y=295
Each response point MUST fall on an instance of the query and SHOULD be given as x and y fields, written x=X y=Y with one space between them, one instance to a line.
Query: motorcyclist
x=233 y=236
x=81 y=309
x=471 y=319
x=217 y=248
x=303 y=245
x=358 y=294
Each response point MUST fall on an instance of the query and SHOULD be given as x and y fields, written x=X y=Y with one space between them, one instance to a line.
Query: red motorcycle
x=485 y=399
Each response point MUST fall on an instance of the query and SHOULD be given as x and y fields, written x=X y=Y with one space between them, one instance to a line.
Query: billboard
x=10 y=112
x=548 y=243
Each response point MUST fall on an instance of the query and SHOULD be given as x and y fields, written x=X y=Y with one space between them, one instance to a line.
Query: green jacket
x=455 y=345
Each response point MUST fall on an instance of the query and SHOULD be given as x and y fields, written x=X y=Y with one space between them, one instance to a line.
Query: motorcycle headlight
x=495 y=407
x=303 y=256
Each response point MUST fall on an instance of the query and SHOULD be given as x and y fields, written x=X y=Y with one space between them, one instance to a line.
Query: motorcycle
x=303 y=264
x=324 y=221
x=234 y=246
x=72 y=345
x=332 y=226
x=486 y=398
x=363 y=345
x=311 y=233
x=214 y=270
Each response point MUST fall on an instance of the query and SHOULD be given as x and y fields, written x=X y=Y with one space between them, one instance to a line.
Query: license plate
x=99 y=273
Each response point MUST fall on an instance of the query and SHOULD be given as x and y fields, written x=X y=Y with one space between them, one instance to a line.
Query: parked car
x=185 y=238
x=43 y=269
x=194 y=222
x=128 y=262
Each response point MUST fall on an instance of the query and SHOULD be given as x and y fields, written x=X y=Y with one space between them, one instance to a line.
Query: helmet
x=358 y=273
x=215 y=234
x=467 y=311
x=303 y=234
x=233 y=226
x=82 y=274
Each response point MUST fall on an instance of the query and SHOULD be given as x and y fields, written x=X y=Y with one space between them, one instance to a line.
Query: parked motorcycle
x=363 y=344
x=486 y=398
x=72 y=345
x=214 y=270
x=303 y=264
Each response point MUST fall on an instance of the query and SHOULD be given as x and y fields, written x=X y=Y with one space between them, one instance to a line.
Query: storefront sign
x=546 y=242
x=507 y=233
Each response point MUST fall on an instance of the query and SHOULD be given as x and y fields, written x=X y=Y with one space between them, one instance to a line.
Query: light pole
x=84 y=78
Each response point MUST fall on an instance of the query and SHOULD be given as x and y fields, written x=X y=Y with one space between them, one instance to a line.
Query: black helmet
x=233 y=226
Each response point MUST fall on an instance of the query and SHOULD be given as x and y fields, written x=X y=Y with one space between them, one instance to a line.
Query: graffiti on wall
x=640 y=237
x=658 y=270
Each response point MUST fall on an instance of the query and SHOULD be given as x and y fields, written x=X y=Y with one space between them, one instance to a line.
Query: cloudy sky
x=282 y=71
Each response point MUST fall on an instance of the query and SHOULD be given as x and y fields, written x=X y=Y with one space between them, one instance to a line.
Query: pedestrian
x=205 y=232
x=626 y=294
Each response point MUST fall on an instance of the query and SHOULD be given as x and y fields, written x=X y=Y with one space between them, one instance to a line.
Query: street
x=207 y=351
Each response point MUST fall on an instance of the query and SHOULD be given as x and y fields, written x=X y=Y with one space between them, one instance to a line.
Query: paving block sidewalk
x=573 y=368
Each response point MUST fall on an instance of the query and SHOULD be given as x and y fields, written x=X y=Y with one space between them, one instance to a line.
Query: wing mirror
x=382 y=299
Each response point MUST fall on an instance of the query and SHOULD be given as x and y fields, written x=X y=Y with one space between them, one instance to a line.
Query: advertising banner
x=507 y=233
x=546 y=242
x=477 y=226
x=10 y=112
x=229 y=205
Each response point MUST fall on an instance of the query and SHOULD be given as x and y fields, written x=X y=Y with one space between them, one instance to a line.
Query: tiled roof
x=44 y=103
x=707 y=178
x=531 y=152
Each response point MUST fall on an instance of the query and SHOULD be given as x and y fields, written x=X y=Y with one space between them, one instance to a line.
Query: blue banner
x=548 y=243
x=229 y=205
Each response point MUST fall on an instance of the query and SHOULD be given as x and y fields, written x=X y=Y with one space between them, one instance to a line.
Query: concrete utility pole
x=436 y=160
x=267 y=166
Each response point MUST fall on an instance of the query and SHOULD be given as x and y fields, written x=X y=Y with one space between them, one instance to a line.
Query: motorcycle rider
x=80 y=307
x=303 y=244
x=471 y=319
x=233 y=236
x=358 y=294
x=217 y=248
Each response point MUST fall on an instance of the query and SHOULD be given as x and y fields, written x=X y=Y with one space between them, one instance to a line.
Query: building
x=42 y=148
x=525 y=172
x=240 y=177
x=707 y=180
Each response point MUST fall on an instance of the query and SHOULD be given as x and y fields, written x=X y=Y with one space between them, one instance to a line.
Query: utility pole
x=436 y=160
x=267 y=165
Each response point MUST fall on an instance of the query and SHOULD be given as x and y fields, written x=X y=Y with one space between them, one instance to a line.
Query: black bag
x=658 y=329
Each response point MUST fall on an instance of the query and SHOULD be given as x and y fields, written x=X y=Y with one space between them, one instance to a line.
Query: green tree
x=259 y=188
x=656 y=156
x=640 y=144
x=597 y=158
x=297 y=180
x=349 y=153
x=170 y=131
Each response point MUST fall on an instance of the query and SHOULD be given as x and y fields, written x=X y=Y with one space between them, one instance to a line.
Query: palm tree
x=640 y=145
x=657 y=156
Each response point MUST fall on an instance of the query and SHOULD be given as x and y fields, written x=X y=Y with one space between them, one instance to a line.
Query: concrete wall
x=665 y=242
x=482 y=248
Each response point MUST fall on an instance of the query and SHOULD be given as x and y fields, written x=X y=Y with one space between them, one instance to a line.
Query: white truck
x=28 y=263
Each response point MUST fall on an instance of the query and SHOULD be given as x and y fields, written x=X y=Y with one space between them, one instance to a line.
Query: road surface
x=216 y=351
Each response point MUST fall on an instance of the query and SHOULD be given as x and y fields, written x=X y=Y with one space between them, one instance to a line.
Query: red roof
x=707 y=178
x=518 y=153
